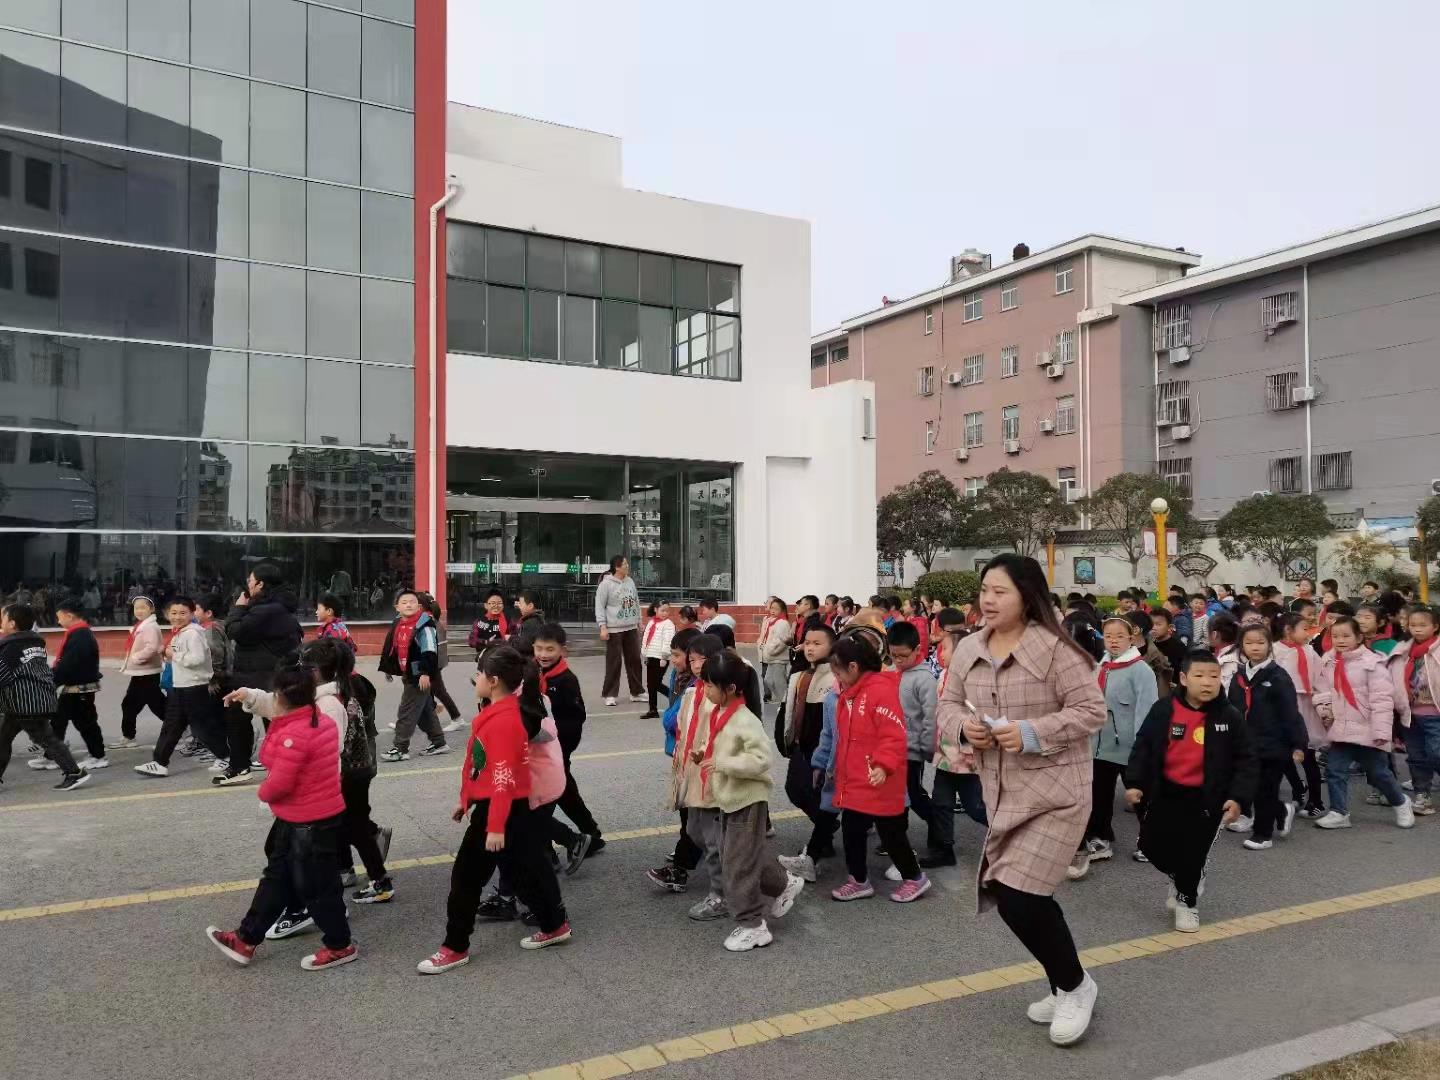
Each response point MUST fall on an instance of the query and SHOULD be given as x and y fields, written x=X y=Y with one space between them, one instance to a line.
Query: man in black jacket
x=263 y=629
x=77 y=681
x=27 y=694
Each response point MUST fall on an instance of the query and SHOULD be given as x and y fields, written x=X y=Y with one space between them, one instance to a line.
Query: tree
x=923 y=516
x=1119 y=512
x=950 y=587
x=1363 y=557
x=1019 y=510
x=1273 y=528
x=1427 y=516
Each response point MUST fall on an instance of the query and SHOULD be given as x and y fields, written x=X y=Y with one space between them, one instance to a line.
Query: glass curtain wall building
x=206 y=297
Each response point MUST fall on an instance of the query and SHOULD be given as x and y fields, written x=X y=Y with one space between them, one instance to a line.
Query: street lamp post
x=1424 y=565
x=1160 y=508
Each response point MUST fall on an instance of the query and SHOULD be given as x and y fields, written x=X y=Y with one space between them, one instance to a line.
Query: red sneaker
x=328 y=958
x=228 y=942
x=443 y=960
x=541 y=940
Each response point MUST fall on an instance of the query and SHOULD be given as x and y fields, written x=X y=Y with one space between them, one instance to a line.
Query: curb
x=1321 y=1047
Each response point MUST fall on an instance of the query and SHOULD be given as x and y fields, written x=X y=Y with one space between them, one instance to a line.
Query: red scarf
x=699 y=685
x=1300 y=651
x=130 y=638
x=500 y=623
x=1342 y=681
x=717 y=725
x=650 y=631
x=769 y=624
x=1245 y=686
x=1417 y=650
x=78 y=624
x=546 y=674
x=404 y=634
x=1115 y=665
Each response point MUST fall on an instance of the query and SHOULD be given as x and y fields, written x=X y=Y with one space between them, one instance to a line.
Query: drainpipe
x=1305 y=314
x=452 y=189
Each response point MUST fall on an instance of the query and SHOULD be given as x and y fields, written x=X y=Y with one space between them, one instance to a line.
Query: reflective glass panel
x=334 y=52
x=332 y=402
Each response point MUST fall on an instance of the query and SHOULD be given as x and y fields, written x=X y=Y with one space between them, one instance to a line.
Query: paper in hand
x=993 y=724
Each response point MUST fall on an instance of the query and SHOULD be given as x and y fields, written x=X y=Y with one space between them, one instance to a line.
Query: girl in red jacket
x=869 y=766
x=301 y=754
x=495 y=789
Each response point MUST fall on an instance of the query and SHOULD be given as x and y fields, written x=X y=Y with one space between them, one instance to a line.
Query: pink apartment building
x=1025 y=365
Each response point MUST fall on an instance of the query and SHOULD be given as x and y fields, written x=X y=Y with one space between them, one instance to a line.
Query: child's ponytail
x=532 y=702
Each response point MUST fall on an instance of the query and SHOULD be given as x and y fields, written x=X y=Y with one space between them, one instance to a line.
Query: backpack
x=357 y=752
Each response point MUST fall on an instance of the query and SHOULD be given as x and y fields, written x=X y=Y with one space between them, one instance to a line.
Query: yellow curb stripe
x=63 y=802
x=186 y=892
x=787 y=1025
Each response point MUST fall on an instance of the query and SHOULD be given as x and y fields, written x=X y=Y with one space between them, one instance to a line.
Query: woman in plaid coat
x=1026 y=699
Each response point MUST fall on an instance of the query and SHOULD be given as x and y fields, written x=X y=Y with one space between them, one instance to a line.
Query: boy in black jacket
x=1265 y=696
x=77 y=681
x=1194 y=766
x=27 y=694
x=567 y=705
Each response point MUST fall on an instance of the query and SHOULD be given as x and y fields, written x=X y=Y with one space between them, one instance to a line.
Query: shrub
x=950 y=587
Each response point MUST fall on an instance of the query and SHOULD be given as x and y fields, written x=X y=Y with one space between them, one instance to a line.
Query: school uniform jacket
x=1371 y=720
x=1303 y=679
x=1231 y=769
x=1395 y=665
x=27 y=686
x=1272 y=715
x=143 y=655
x=1129 y=694
x=77 y=665
x=685 y=787
x=773 y=644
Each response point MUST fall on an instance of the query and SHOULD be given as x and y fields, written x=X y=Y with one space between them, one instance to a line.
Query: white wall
x=532 y=144
x=771 y=413
x=1115 y=275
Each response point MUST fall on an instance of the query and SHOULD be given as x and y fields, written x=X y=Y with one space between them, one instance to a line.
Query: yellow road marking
x=63 y=803
x=186 y=892
x=787 y=1025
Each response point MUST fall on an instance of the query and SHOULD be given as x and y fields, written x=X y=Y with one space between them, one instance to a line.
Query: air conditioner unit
x=962 y=454
x=1254 y=493
x=1180 y=354
x=1072 y=493
x=1012 y=446
x=1301 y=394
x=1043 y=358
x=1047 y=427
x=1054 y=371
x=1181 y=432
x=953 y=378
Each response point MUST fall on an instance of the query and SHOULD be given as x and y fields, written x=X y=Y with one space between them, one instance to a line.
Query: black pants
x=141 y=693
x=239 y=731
x=535 y=882
x=687 y=853
x=920 y=803
x=192 y=707
x=1041 y=927
x=79 y=709
x=41 y=730
x=800 y=787
x=1269 y=810
x=1177 y=835
x=622 y=645
x=440 y=694
x=570 y=803
x=1312 y=790
x=360 y=831
x=654 y=676
x=1102 y=800
x=302 y=867
x=854 y=831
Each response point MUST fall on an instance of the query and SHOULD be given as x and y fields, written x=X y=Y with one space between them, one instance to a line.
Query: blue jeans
x=1377 y=771
x=1422 y=744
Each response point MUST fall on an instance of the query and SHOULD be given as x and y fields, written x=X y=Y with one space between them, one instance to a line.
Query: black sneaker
x=229 y=779
x=289 y=924
x=575 y=853
x=376 y=892
x=669 y=878
x=529 y=918
x=497 y=908
x=72 y=781
x=597 y=845
x=435 y=749
x=931 y=860
x=650 y=716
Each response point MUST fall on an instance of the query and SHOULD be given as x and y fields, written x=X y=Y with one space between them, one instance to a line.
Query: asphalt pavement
x=105 y=972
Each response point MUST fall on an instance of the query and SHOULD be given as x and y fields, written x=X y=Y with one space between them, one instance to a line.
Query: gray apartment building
x=1312 y=369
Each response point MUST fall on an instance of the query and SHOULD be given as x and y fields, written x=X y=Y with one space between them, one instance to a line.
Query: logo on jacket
x=1199 y=735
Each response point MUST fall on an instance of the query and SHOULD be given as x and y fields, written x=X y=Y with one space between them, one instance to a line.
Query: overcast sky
x=908 y=131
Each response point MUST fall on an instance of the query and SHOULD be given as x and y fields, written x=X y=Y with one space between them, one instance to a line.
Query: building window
x=973 y=486
x=42 y=273
x=974 y=306
x=1279 y=390
x=929 y=320
x=7 y=368
x=565 y=301
x=931 y=433
x=839 y=354
x=1172 y=403
x=1172 y=326
x=1286 y=476
x=1332 y=471
x=817 y=359
x=974 y=429
x=7 y=268
x=973 y=371
x=1009 y=361
x=1065 y=347
x=1065 y=415
x=1278 y=309
x=1064 y=277
x=38 y=173
x=1010 y=297
x=925 y=381
x=1065 y=478
x=1176 y=471
x=1010 y=423
x=4 y=174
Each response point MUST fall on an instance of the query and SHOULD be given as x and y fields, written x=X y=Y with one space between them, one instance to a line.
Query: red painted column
x=430 y=97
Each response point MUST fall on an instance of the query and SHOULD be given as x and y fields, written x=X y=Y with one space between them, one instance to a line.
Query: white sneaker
x=1079 y=866
x=1187 y=919
x=1258 y=845
x=152 y=768
x=1100 y=850
x=892 y=873
x=745 y=938
x=786 y=900
x=1291 y=809
x=219 y=766
x=712 y=907
x=453 y=725
x=1405 y=815
x=1042 y=1011
x=90 y=764
x=1241 y=824
x=121 y=743
x=801 y=864
x=1170 y=899
x=1073 y=1009
x=1334 y=820
x=612 y=702
x=44 y=764
x=638 y=699
x=1408 y=785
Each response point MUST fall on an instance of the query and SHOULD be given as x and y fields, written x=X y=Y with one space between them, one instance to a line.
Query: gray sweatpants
x=776 y=678
x=417 y=708
x=752 y=873
x=703 y=827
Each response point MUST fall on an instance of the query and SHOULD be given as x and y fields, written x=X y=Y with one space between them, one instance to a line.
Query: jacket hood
x=22 y=637
x=283 y=597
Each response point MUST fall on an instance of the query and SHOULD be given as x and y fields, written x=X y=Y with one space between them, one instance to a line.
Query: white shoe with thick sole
x=1187 y=919
x=1079 y=866
x=1241 y=824
x=801 y=864
x=1073 y=1009
x=892 y=873
x=612 y=702
x=1258 y=845
x=745 y=938
x=90 y=764
x=152 y=768
x=1042 y=1011
x=43 y=764
x=1333 y=820
x=1405 y=815
x=786 y=900
x=1291 y=810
